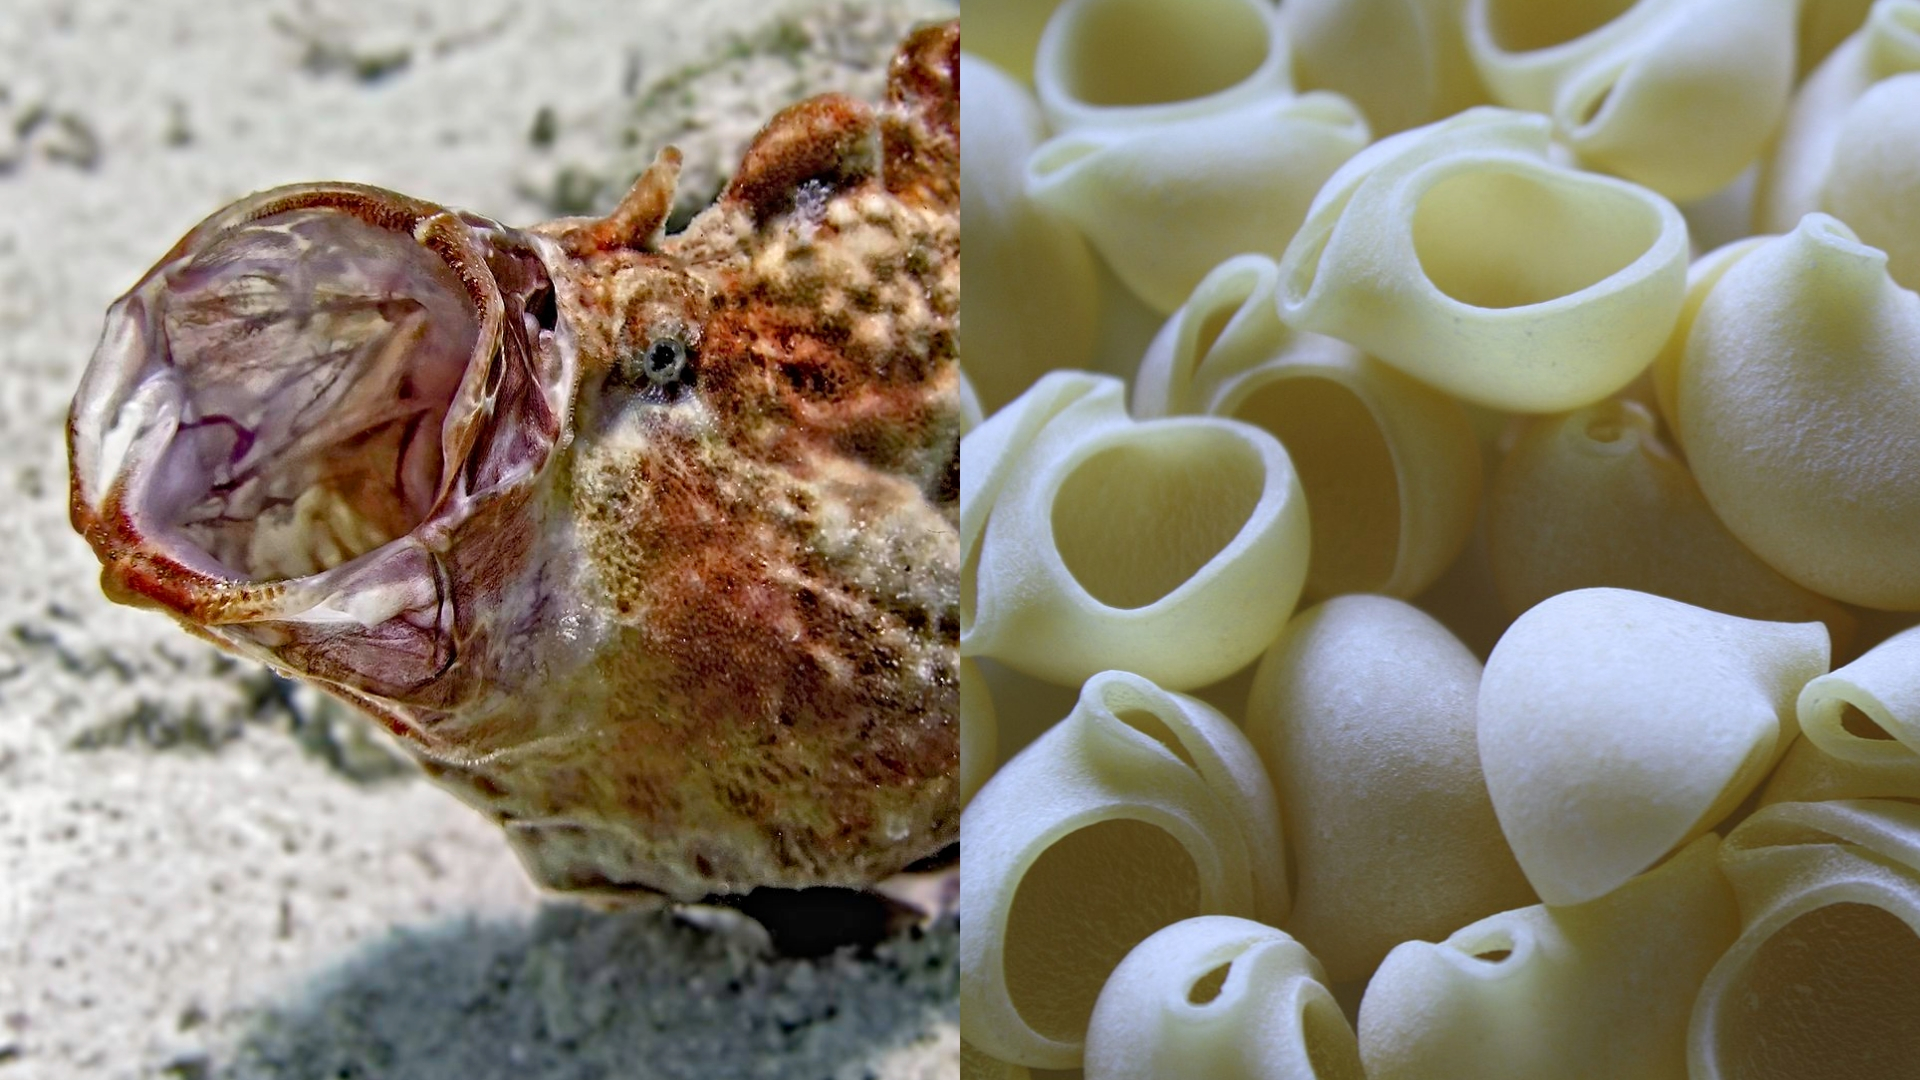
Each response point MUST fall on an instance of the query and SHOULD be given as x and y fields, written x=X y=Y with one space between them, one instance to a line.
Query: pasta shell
x=1131 y=63
x=1824 y=24
x=1615 y=726
x=1006 y=33
x=1390 y=467
x=1794 y=173
x=1679 y=95
x=1824 y=981
x=1873 y=183
x=970 y=412
x=1140 y=809
x=977 y=1065
x=1458 y=254
x=1104 y=540
x=979 y=731
x=1221 y=998
x=1404 y=62
x=1595 y=497
x=1796 y=398
x=1702 y=276
x=1597 y=991
x=1808 y=774
x=1164 y=203
x=1035 y=303
x=1364 y=714
x=1869 y=710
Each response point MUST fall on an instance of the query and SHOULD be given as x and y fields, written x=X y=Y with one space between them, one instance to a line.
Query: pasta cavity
x=1527 y=25
x=1505 y=239
x=1143 y=52
x=1347 y=469
x=1831 y=996
x=1089 y=899
x=1137 y=520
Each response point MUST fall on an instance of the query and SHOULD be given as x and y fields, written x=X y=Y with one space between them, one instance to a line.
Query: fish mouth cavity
x=317 y=373
x=317 y=357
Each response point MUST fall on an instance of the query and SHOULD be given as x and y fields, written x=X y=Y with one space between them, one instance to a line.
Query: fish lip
x=119 y=429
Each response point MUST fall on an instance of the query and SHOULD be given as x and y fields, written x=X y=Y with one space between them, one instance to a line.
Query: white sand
x=186 y=891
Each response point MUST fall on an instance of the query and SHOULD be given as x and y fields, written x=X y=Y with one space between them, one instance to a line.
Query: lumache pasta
x=1562 y=361
x=1390 y=467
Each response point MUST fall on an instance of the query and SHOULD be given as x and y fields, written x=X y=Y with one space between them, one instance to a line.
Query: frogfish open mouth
x=643 y=544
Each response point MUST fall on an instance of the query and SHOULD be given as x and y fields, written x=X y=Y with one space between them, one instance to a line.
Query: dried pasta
x=1614 y=726
x=1820 y=984
x=1462 y=255
x=1390 y=467
x=1093 y=540
x=1141 y=808
x=1223 y=998
x=1034 y=300
x=1679 y=95
x=1360 y=696
x=1796 y=397
x=1561 y=360
x=1584 y=992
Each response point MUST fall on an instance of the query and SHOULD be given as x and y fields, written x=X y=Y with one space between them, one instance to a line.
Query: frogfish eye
x=664 y=363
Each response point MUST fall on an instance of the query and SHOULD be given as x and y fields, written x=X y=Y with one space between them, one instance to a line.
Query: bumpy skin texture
x=644 y=545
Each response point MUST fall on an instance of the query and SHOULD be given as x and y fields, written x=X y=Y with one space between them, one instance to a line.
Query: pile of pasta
x=1441 y=530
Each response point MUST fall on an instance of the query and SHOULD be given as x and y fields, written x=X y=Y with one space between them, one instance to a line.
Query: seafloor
x=207 y=873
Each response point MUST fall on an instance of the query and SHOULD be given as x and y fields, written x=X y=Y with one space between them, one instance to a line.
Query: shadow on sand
x=578 y=995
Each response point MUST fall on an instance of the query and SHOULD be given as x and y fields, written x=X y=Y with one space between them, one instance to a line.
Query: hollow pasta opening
x=1499 y=238
x=1832 y=996
x=1207 y=987
x=1136 y=520
x=1493 y=948
x=1332 y=1049
x=1347 y=471
x=1861 y=726
x=1081 y=907
x=1526 y=25
x=1145 y=52
x=1155 y=728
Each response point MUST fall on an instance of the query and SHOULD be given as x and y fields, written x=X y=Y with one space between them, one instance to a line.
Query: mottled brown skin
x=690 y=633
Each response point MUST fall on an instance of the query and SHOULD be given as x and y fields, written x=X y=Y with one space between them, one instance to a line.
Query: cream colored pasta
x=1390 y=467
x=1595 y=497
x=1458 y=253
x=1404 y=62
x=1809 y=774
x=1244 y=178
x=1821 y=984
x=1869 y=710
x=1824 y=24
x=1093 y=542
x=1796 y=398
x=1702 y=276
x=1364 y=714
x=1032 y=292
x=1006 y=32
x=979 y=730
x=1791 y=183
x=1220 y=998
x=1873 y=183
x=1654 y=806
x=1141 y=63
x=978 y=1065
x=1596 y=990
x=1679 y=95
x=1140 y=809
x=1615 y=725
